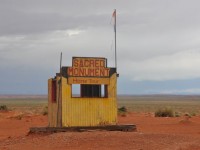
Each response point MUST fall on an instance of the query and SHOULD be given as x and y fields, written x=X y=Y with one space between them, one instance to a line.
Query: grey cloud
x=29 y=17
x=156 y=40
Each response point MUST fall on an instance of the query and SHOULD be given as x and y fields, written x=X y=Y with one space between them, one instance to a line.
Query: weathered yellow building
x=83 y=95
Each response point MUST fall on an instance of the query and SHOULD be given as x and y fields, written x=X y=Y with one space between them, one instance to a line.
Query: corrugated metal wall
x=89 y=111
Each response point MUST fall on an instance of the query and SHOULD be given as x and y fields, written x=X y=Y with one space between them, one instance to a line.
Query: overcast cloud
x=158 y=42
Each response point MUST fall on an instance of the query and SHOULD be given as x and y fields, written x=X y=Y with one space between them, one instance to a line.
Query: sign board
x=88 y=67
x=83 y=80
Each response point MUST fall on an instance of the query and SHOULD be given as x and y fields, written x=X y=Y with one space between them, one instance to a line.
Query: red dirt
x=152 y=134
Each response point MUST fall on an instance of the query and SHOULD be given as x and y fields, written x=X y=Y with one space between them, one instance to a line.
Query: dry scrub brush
x=165 y=112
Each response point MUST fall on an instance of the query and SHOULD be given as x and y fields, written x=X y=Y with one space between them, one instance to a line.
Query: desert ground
x=153 y=133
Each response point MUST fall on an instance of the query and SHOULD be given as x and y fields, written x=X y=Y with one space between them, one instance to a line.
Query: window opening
x=89 y=90
x=104 y=91
x=76 y=92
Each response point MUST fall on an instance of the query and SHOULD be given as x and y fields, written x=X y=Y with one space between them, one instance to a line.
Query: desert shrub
x=3 y=107
x=193 y=114
x=19 y=117
x=166 y=112
x=122 y=111
x=187 y=115
x=45 y=110
x=177 y=114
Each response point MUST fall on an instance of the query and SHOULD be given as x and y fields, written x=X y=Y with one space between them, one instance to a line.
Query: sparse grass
x=45 y=111
x=177 y=114
x=193 y=114
x=3 y=108
x=165 y=112
x=35 y=105
x=146 y=104
x=150 y=104
x=122 y=111
x=18 y=117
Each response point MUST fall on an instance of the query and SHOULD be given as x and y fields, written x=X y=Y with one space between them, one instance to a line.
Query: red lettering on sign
x=81 y=71
x=81 y=63
x=75 y=63
x=89 y=67
x=70 y=71
x=92 y=72
x=76 y=72
x=91 y=63
x=86 y=63
x=102 y=63
x=107 y=71
x=102 y=72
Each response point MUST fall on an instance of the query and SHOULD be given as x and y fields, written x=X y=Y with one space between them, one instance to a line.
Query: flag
x=114 y=17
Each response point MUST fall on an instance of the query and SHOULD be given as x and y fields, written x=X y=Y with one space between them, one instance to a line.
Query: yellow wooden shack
x=83 y=94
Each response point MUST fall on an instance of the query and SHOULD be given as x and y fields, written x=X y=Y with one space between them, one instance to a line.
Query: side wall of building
x=52 y=106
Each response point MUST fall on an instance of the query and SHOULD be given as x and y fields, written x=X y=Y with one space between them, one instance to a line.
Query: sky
x=158 y=43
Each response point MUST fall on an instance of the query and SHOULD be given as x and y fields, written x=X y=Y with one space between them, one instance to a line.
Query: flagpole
x=115 y=39
x=60 y=61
